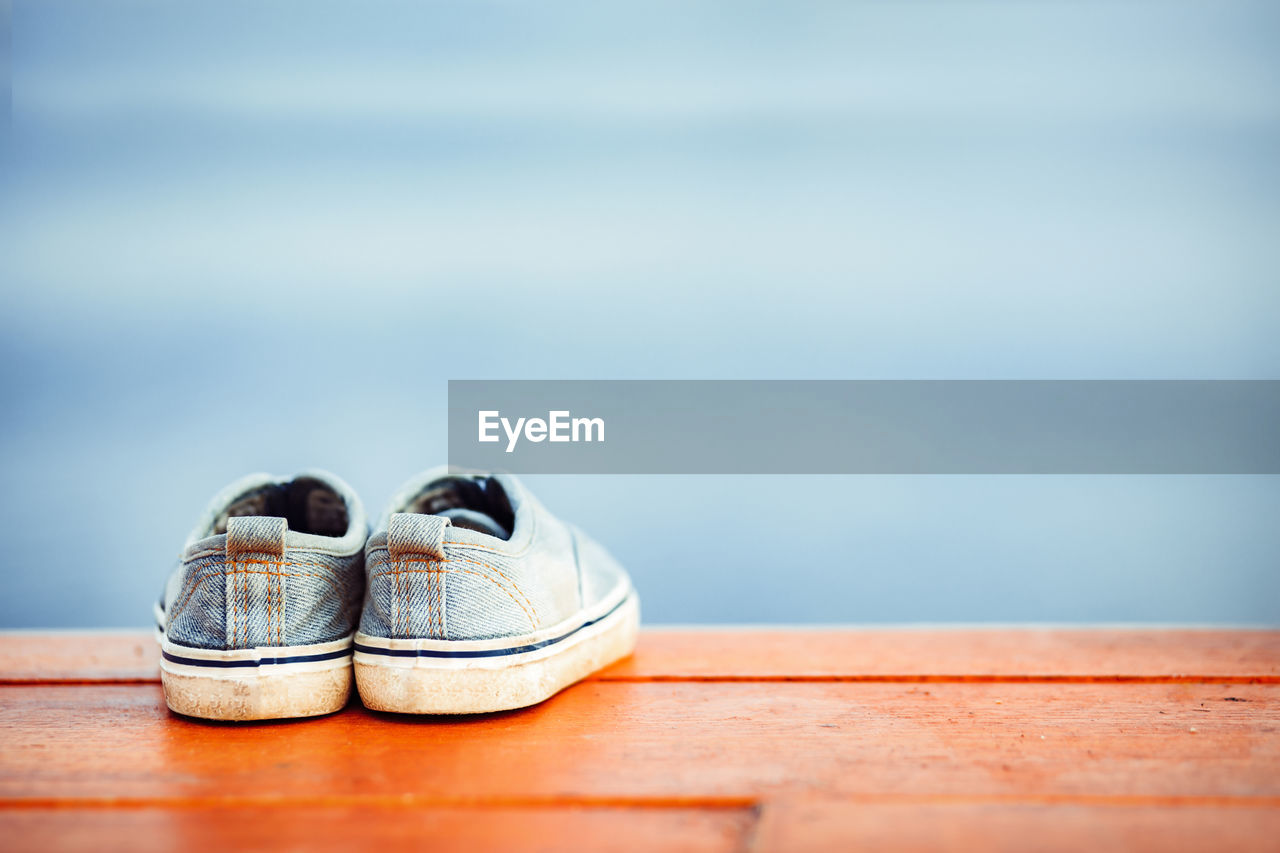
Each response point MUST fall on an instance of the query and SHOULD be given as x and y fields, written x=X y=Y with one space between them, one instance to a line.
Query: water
x=235 y=237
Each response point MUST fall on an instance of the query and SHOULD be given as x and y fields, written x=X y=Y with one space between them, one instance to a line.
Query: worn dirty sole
x=479 y=676
x=257 y=684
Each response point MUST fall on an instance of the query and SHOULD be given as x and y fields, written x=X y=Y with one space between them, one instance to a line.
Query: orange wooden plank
x=771 y=653
x=79 y=656
x=346 y=828
x=682 y=743
x=825 y=825
x=954 y=654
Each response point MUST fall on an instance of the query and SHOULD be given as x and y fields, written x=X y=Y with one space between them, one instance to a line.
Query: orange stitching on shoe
x=202 y=578
x=431 y=591
x=282 y=563
x=458 y=571
x=188 y=582
x=484 y=565
x=271 y=627
x=444 y=612
x=514 y=586
x=208 y=575
x=439 y=591
x=440 y=605
x=195 y=577
x=234 y=617
x=244 y=607
x=279 y=610
x=235 y=606
x=237 y=581
x=498 y=551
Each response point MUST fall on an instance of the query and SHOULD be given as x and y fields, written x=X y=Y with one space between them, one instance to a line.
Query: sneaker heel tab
x=256 y=534
x=411 y=533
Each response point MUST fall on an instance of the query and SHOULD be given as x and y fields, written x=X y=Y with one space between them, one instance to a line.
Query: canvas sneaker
x=481 y=600
x=257 y=619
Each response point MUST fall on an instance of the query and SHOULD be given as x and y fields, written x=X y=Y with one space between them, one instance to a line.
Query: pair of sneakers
x=468 y=597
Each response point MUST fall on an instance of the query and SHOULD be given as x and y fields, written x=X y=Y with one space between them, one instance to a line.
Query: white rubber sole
x=481 y=676
x=257 y=684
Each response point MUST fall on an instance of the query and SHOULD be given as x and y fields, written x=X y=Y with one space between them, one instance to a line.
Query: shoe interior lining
x=478 y=494
x=308 y=504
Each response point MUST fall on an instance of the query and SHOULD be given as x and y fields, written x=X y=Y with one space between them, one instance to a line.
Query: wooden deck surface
x=716 y=740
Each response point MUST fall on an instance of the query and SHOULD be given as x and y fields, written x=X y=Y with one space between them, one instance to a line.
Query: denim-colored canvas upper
x=429 y=578
x=247 y=581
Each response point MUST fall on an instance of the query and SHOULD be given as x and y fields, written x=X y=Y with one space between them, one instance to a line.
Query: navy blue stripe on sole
x=224 y=664
x=487 y=653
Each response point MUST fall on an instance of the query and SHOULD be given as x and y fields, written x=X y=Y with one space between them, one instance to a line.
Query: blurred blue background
x=238 y=236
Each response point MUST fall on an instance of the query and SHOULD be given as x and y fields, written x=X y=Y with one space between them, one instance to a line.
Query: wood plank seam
x=395 y=800
x=993 y=678
x=905 y=678
x=729 y=655
x=653 y=803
